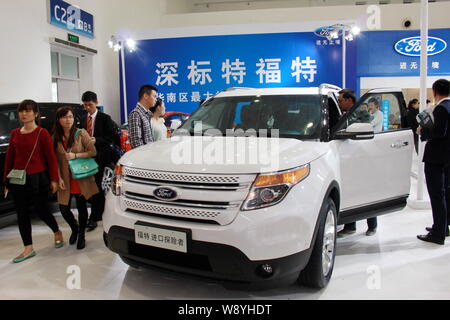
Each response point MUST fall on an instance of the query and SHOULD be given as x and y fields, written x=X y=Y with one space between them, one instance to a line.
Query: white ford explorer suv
x=252 y=187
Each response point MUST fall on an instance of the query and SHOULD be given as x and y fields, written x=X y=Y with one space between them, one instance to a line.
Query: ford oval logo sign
x=411 y=46
x=323 y=31
x=165 y=193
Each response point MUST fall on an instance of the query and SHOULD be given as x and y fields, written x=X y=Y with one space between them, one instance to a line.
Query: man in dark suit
x=101 y=129
x=437 y=162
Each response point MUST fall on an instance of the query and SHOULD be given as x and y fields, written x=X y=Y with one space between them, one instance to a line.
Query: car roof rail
x=238 y=88
x=328 y=86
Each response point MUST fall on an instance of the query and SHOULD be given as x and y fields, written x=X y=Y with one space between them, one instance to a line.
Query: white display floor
x=393 y=264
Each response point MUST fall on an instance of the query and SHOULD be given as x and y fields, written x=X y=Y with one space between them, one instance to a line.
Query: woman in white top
x=159 y=130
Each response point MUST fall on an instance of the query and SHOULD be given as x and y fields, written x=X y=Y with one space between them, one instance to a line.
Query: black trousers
x=437 y=178
x=98 y=200
x=82 y=213
x=33 y=193
x=371 y=223
x=416 y=142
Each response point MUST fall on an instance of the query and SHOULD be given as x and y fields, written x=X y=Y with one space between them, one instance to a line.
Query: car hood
x=224 y=155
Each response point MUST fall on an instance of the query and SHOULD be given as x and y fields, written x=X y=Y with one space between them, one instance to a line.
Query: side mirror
x=356 y=131
x=175 y=124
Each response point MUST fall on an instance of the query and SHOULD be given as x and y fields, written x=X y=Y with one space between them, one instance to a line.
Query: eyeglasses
x=67 y=117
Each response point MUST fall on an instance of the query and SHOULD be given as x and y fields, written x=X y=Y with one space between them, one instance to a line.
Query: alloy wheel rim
x=329 y=236
x=108 y=175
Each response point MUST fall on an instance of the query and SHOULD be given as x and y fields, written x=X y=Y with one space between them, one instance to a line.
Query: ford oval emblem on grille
x=165 y=193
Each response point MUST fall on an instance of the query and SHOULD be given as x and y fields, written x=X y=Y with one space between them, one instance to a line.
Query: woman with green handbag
x=74 y=151
x=30 y=171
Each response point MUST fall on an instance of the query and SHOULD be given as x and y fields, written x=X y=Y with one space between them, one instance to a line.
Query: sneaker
x=345 y=232
x=371 y=232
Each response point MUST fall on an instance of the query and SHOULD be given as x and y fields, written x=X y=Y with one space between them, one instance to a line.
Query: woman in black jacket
x=413 y=111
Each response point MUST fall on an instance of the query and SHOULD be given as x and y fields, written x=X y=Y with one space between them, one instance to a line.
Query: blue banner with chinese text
x=188 y=70
x=397 y=53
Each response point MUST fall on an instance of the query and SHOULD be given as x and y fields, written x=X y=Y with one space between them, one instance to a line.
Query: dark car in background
x=8 y=121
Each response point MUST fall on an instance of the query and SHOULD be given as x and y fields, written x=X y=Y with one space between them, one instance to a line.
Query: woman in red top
x=39 y=165
x=70 y=145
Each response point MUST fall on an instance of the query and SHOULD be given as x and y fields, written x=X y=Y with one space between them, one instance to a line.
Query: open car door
x=375 y=171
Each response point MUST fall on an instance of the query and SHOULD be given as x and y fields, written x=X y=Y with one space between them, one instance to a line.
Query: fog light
x=266 y=270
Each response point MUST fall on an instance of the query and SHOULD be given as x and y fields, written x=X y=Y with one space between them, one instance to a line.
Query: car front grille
x=208 y=198
x=189 y=178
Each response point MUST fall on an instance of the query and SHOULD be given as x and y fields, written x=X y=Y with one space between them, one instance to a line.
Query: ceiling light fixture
x=118 y=43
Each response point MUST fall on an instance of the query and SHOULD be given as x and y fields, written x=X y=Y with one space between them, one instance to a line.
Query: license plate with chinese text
x=161 y=237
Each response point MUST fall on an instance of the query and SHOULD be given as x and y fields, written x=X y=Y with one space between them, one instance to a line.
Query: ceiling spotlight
x=131 y=44
x=356 y=30
x=118 y=43
x=112 y=42
x=117 y=47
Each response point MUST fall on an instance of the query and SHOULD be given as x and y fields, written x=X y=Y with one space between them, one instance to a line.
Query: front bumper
x=210 y=260
x=263 y=234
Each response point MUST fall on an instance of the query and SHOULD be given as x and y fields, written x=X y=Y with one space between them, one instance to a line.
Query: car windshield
x=295 y=116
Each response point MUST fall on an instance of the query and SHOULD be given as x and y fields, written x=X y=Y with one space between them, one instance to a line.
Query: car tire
x=131 y=263
x=319 y=269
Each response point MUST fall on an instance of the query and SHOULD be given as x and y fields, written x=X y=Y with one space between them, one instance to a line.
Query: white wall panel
x=400 y=82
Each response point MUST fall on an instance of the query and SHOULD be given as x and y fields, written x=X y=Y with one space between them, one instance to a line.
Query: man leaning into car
x=346 y=101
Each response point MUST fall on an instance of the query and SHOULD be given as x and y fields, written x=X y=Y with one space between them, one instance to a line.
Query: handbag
x=82 y=167
x=17 y=176
x=425 y=119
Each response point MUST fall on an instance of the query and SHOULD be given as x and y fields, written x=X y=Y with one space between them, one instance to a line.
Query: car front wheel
x=108 y=175
x=318 y=271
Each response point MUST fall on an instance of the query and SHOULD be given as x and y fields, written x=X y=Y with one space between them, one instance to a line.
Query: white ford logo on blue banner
x=411 y=46
x=323 y=31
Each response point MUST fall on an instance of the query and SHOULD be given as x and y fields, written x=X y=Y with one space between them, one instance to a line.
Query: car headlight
x=268 y=190
x=116 y=183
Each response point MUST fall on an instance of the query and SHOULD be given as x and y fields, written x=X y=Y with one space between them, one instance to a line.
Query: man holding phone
x=139 y=120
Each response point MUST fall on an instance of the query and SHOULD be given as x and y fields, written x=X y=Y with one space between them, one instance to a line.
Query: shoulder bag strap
x=75 y=136
x=77 y=133
x=34 y=148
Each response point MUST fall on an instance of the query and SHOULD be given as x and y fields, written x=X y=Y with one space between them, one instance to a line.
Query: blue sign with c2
x=73 y=19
